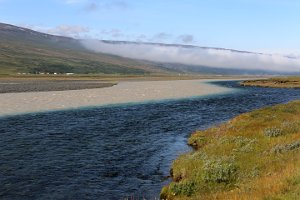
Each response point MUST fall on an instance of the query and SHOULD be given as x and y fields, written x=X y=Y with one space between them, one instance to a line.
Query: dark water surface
x=111 y=152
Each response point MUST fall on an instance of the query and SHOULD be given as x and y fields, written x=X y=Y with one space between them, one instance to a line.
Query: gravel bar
x=16 y=86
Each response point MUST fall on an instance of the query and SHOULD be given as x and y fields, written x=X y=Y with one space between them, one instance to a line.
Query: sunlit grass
x=283 y=82
x=253 y=156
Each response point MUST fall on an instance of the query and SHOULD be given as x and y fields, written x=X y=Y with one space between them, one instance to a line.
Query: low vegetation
x=23 y=51
x=18 y=57
x=283 y=82
x=254 y=156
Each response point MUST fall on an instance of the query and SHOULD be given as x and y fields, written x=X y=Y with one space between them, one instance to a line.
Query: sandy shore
x=124 y=92
x=13 y=86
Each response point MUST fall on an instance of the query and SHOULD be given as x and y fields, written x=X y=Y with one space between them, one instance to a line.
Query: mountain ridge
x=46 y=35
x=23 y=50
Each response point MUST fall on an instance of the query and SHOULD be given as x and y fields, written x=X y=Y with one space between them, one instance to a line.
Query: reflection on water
x=111 y=152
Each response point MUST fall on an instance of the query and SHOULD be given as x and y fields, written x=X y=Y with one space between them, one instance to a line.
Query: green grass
x=21 y=58
x=23 y=52
x=253 y=156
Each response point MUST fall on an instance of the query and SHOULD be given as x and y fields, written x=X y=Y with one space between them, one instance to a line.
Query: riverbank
x=123 y=92
x=253 y=156
x=287 y=82
x=16 y=86
x=44 y=83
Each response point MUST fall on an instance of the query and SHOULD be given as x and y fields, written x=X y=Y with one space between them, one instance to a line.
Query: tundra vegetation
x=282 y=82
x=253 y=156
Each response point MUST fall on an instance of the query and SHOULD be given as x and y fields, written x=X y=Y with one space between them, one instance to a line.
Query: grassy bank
x=253 y=156
x=284 y=82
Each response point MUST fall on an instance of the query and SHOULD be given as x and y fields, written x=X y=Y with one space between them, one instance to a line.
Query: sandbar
x=123 y=92
x=14 y=86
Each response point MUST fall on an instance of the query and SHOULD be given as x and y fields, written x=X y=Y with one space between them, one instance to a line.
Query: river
x=112 y=152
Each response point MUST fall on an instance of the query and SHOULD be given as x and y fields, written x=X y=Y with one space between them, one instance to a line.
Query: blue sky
x=255 y=25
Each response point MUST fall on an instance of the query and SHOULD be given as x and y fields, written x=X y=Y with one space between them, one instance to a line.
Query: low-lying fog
x=197 y=56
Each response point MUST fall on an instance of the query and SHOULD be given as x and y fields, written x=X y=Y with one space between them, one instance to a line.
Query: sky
x=270 y=26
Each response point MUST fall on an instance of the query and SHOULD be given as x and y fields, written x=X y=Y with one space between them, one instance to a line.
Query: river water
x=112 y=152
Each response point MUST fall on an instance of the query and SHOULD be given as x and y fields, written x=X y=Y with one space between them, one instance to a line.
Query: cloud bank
x=68 y=30
x=197 y=56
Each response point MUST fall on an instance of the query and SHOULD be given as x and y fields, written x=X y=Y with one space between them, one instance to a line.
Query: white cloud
x=117 y=4
x=187 y=39
x=115 y=33
x=74 y=1
x=93 y=6
x=161 y=37
x=197 y=56
x=68 y=30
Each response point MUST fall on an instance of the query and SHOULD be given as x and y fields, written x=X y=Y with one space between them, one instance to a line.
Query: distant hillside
x=26 y=51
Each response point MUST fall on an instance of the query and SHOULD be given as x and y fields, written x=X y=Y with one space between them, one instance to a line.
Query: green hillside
x=26 y=51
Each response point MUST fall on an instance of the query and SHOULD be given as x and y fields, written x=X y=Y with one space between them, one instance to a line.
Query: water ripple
x=111 y=152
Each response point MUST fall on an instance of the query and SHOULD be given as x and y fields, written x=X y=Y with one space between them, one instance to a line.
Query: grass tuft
x=273 y=132
x=220 y=170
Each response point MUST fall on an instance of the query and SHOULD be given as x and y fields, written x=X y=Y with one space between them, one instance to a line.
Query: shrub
x=281 y=148
x=255 y=172
x=186 y=189
x=273 y=132
x=220 y=170
x=290 y=127
x=242 y=144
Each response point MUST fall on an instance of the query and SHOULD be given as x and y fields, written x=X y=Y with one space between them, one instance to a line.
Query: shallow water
x=111 y=152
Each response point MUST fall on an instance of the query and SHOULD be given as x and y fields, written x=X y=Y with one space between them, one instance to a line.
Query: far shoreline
x=279 y=82
x=19 y=86
x=45 y=83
